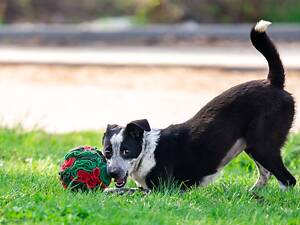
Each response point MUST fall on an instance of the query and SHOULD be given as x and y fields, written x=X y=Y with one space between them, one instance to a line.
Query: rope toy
x=84 y=169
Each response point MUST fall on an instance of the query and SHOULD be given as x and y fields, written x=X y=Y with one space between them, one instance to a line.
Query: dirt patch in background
x=65 y=98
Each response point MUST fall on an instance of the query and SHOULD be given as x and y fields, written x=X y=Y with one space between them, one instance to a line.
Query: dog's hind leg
x=264 y=176
x=264 y=140
x=275 y=166
x=267 y=154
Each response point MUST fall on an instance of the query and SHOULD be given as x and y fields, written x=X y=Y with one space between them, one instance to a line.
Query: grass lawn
x=30 y=192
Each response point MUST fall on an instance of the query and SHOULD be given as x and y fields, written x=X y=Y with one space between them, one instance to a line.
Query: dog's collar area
x=143 y=164
x=146 y=148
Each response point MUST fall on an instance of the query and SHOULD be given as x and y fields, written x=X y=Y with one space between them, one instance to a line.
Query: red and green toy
x=84 y=169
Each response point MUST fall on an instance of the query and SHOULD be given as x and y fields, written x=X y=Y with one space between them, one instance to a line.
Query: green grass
x=30 y=192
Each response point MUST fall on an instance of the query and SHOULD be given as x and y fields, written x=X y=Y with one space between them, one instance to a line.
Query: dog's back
x=255 y=115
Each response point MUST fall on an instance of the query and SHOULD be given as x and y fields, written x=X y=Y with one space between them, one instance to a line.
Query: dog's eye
x=108 y=152
x=125 y=151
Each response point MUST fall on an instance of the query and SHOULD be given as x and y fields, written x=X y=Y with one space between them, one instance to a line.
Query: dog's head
x=122 y=145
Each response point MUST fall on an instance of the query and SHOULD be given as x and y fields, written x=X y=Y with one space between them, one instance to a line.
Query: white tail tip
x=262 y=26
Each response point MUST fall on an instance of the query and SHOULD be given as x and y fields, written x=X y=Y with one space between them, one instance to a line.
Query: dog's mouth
x=120 y=182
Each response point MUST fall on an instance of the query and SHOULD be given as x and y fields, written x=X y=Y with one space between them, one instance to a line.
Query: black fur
x=263 y=44
x=255 y=111
x=136 y=129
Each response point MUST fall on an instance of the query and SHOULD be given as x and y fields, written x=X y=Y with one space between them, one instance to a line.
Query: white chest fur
x=142 y=165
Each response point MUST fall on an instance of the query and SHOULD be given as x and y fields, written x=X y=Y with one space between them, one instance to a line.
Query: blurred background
x=148 y=11
x=70 y=65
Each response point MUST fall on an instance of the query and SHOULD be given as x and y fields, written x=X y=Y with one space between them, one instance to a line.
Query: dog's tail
x=265 y=46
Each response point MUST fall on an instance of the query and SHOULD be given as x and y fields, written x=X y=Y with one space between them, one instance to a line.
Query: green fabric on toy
x=84 y=169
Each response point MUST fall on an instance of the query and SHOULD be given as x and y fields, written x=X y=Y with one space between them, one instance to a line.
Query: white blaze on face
x=116 y=141
x=116 y=161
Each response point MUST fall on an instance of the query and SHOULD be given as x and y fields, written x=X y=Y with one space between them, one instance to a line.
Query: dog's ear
x=109 y=128
x=136 y=128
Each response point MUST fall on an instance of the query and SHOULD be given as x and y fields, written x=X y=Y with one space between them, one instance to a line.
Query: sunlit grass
x=31 y=193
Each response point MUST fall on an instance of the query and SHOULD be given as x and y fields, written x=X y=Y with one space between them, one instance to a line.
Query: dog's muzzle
x=118 y=175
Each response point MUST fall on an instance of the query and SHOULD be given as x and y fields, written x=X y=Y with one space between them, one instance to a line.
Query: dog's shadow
x=130 y=191
x=127 y=191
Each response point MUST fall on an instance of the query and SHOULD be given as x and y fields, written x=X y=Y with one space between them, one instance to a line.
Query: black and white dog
x=254 y=117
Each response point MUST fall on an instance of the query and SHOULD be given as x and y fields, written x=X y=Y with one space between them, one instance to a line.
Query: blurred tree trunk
x=223 y=10
x=161 y=11
x=2 y=10
x=11 y=11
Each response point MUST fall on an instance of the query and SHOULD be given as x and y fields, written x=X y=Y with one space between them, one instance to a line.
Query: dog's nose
x=114 y=172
